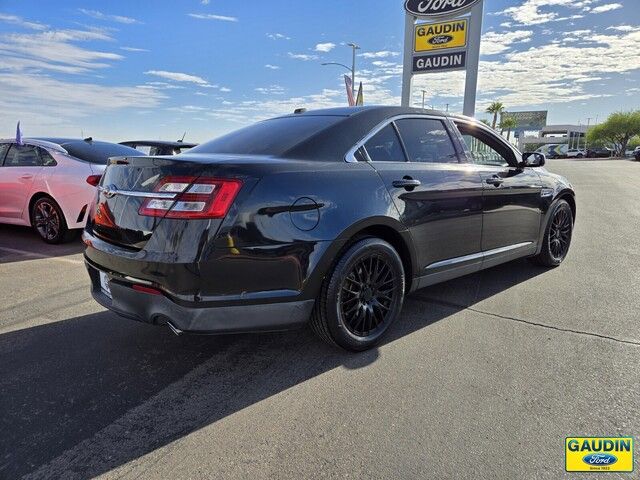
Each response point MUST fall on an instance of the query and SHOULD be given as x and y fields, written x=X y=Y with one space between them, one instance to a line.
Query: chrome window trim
x=477 y=256
x=350 y=156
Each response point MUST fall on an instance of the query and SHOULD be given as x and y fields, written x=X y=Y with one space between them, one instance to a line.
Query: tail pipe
x=174 y=329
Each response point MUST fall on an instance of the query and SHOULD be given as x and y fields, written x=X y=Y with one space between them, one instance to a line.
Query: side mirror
x=533 y=159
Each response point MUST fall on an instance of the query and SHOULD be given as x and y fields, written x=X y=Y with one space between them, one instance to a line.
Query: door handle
x=495 y=181
x=407 y=182
x=26 y=176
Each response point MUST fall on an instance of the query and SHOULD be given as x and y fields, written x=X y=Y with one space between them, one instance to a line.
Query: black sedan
x=325 y=217
x=159 y=147
x=599 y=152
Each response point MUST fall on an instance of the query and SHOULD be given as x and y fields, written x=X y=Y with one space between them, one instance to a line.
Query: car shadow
x=18 y=243
x=131 y=388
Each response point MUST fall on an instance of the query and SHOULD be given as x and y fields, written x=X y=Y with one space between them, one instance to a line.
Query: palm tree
x=508 y=124
x=495 y=108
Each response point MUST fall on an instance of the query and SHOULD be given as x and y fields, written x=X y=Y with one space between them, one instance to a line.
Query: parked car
x=636 y=153
x=553 y=151
x=575 y=153
x=48 y=183
x=159 y=147
x=328 y=217
x=599 y=152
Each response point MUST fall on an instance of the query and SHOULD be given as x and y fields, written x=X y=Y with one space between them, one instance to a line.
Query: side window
x=385 y=146
x=22 y=156
x=3 y=151
x=360 y=155
x=427 y=140
x=46 y=158
x=481 y=149
x=144 y=149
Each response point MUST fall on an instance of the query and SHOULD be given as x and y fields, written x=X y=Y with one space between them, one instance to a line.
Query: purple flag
x=18 y=135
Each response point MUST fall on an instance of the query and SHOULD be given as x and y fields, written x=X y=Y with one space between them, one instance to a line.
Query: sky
x=125 y=69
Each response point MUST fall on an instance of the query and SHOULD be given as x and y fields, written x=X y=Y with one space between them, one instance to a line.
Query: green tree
x=486 y=122
x=634 y=142
x=496 y=108
x=616 y=131
x=508 y=124
x=532 y=147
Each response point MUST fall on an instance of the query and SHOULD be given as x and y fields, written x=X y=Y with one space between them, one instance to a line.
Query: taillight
x=94 y=180
x=195 y=198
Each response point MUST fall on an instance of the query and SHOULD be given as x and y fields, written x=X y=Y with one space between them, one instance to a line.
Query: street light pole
x=423 y=94
x=354 y=47
x=586 y=135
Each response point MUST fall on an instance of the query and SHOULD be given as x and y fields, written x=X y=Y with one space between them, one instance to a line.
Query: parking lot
x=482 y=377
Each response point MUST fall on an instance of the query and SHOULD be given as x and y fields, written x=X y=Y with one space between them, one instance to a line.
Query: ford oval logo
x=440 y=39
x=436 y=8
x=599 y=459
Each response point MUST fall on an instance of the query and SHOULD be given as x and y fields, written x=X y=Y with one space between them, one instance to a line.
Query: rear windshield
x=269 y=137
x=99 y=152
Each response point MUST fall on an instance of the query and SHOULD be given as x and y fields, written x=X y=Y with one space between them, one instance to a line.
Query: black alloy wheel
x=560 y=233
x=366 y=295
x=361 y=297
x=49 y=222
x=557 y=238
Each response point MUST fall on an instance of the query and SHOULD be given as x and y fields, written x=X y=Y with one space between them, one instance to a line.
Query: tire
x=361 y=297
x=48 y=221
x=557 y=236
x=580 y=155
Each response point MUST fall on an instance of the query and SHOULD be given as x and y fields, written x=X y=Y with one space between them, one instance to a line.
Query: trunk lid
x=126 y=184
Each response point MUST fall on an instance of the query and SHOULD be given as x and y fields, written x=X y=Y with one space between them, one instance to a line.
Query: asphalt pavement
x=482 y=377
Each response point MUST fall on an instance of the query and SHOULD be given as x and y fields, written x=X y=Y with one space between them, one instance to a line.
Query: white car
x=576 y=153
x=49 y=183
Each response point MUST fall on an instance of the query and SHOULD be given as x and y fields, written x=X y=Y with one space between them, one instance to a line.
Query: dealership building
x=532 y=129
x=571 y=135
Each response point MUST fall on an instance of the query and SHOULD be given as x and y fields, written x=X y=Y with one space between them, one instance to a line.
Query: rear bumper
x=160 y=310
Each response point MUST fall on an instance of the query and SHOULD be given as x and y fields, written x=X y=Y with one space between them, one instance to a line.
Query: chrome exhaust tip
x=175 y=330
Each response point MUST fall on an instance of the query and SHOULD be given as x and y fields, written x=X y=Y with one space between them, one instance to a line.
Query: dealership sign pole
x=446 y=39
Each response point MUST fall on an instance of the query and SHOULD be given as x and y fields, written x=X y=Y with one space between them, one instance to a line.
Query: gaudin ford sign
x=442 y=36
x=439 y=36
x=437 y=8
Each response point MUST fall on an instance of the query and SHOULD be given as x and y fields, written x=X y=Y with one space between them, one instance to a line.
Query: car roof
x=160 y=143
x=58 y=143
x=94 y=151
x=62 y=141
x=363 y=110
x=65 y=142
